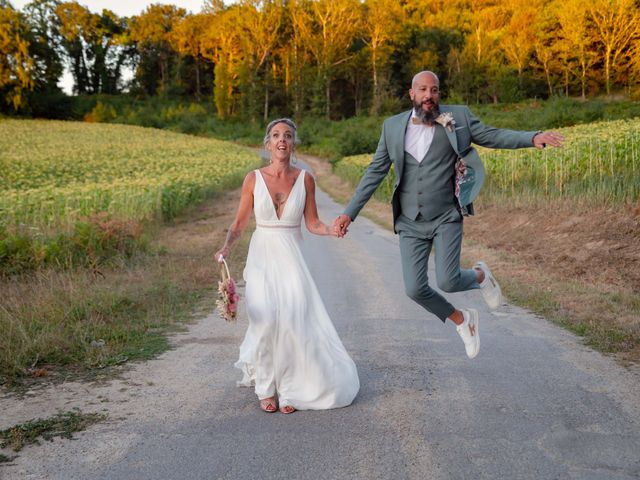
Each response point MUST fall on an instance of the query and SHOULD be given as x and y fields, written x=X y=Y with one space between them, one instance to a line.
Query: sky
x=126 y=8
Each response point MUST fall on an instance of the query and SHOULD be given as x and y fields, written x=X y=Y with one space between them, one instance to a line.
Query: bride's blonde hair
x=285 y=120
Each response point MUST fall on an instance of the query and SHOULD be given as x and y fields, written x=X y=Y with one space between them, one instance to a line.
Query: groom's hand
x=542 y=139
x=341 y=225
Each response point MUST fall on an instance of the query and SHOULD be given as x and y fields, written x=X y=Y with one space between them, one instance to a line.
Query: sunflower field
x=62 y=180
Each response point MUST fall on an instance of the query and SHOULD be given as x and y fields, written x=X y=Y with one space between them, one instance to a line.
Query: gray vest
x=427 y=187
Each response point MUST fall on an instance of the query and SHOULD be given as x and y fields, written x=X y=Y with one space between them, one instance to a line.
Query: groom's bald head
x=424 y=75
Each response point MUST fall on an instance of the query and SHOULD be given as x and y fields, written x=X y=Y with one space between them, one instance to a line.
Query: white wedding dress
x=291 y=348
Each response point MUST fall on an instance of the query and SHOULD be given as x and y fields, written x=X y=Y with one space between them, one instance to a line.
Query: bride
x=291 y=351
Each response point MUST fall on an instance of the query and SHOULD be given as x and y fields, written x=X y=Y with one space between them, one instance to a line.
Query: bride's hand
x=220 y=254
x=336 y=233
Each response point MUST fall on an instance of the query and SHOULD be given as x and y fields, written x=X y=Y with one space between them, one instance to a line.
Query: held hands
x=542 y=139
x=341 y=225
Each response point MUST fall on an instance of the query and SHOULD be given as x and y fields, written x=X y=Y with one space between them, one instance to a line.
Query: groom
x=438 y=174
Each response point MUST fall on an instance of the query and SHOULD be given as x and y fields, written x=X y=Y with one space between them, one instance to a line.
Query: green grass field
x=75 y=193
x=52 y=173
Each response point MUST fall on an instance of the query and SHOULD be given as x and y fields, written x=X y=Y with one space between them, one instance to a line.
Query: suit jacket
x=461 y=133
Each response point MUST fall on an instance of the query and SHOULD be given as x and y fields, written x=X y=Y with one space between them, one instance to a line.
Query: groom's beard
x=426 y=116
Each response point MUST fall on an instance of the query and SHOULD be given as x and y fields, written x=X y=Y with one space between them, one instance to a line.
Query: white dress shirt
x=418 y=138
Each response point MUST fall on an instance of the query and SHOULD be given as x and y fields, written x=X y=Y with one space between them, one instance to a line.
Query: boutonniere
x=446 y=120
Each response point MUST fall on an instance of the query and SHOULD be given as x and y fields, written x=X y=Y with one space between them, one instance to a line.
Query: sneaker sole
x=489 y=276
x=475 y=321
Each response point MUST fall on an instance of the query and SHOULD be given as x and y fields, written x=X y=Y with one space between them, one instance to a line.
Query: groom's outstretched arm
x=375 y=173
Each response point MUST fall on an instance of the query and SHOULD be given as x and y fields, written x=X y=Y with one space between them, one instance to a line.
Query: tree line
x=335 y=58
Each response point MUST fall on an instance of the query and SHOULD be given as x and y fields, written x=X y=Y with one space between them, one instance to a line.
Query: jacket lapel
x=397 y=150
x=451 y=135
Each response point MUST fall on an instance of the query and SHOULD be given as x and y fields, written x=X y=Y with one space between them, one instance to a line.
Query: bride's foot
x=287 y=409
x=268 y=404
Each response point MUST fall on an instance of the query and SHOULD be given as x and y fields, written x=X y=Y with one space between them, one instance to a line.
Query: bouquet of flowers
x=228 y=302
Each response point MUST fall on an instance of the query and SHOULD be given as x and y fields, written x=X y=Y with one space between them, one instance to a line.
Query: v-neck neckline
x=275 y=211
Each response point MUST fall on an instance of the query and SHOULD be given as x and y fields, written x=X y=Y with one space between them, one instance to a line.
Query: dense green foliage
x=332 y=58
x=335 y=139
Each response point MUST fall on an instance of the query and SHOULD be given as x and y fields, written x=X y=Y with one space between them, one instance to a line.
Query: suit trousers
x=417 y=237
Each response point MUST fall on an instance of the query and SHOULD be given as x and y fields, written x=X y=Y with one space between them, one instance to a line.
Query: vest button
x=419 y=193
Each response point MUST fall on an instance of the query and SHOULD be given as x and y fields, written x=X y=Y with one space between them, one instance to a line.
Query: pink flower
x=227 y=292
x=228 y=301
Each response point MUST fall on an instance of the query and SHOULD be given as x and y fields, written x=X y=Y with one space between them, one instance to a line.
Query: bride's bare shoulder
x=249 y=180
x=309 y=182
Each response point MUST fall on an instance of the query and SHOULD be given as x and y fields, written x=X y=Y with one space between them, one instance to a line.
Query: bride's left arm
x=311 y=219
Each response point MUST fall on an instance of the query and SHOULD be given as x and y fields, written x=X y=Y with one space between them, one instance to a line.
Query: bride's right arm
x=242 y=216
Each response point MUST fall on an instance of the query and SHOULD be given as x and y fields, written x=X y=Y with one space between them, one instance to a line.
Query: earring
x=294 y=159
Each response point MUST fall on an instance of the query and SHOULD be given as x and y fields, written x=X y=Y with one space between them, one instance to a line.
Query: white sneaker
x=469 y=332
x=489 y=287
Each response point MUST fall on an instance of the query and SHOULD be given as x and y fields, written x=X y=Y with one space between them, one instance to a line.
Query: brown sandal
x=268 y=405
x=287 y=409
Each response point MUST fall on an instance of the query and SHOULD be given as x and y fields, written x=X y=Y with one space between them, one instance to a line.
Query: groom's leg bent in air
x=447 y=242
x=415 y=247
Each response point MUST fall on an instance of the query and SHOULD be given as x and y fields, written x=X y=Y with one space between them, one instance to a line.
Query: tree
x=93 y=43
x=151 y=32
x=475 y=69
x=382 y=21
x=187 y=37
x=16 y=66
x=326 y=28
x=576 y=43
x=45 y=45
x=616 y=25
x=518 y=39
x=634 y=70
x=107 y=50
x=76 y=23
x=260 y=22
x=222 y=47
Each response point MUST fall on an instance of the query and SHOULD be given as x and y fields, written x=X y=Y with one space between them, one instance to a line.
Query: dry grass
x=577 y=267
x=52 y=321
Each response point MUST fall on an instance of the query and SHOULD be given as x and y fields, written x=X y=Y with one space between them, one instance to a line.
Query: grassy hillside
x=71 y=189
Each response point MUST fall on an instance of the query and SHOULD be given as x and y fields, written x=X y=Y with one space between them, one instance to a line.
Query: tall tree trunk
x=607 y=67
x=375 y=105
x=327 y=95
x=265 y=113
x=265 y=116
x=198 y=90
x=163 y=72
x=583 y=81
